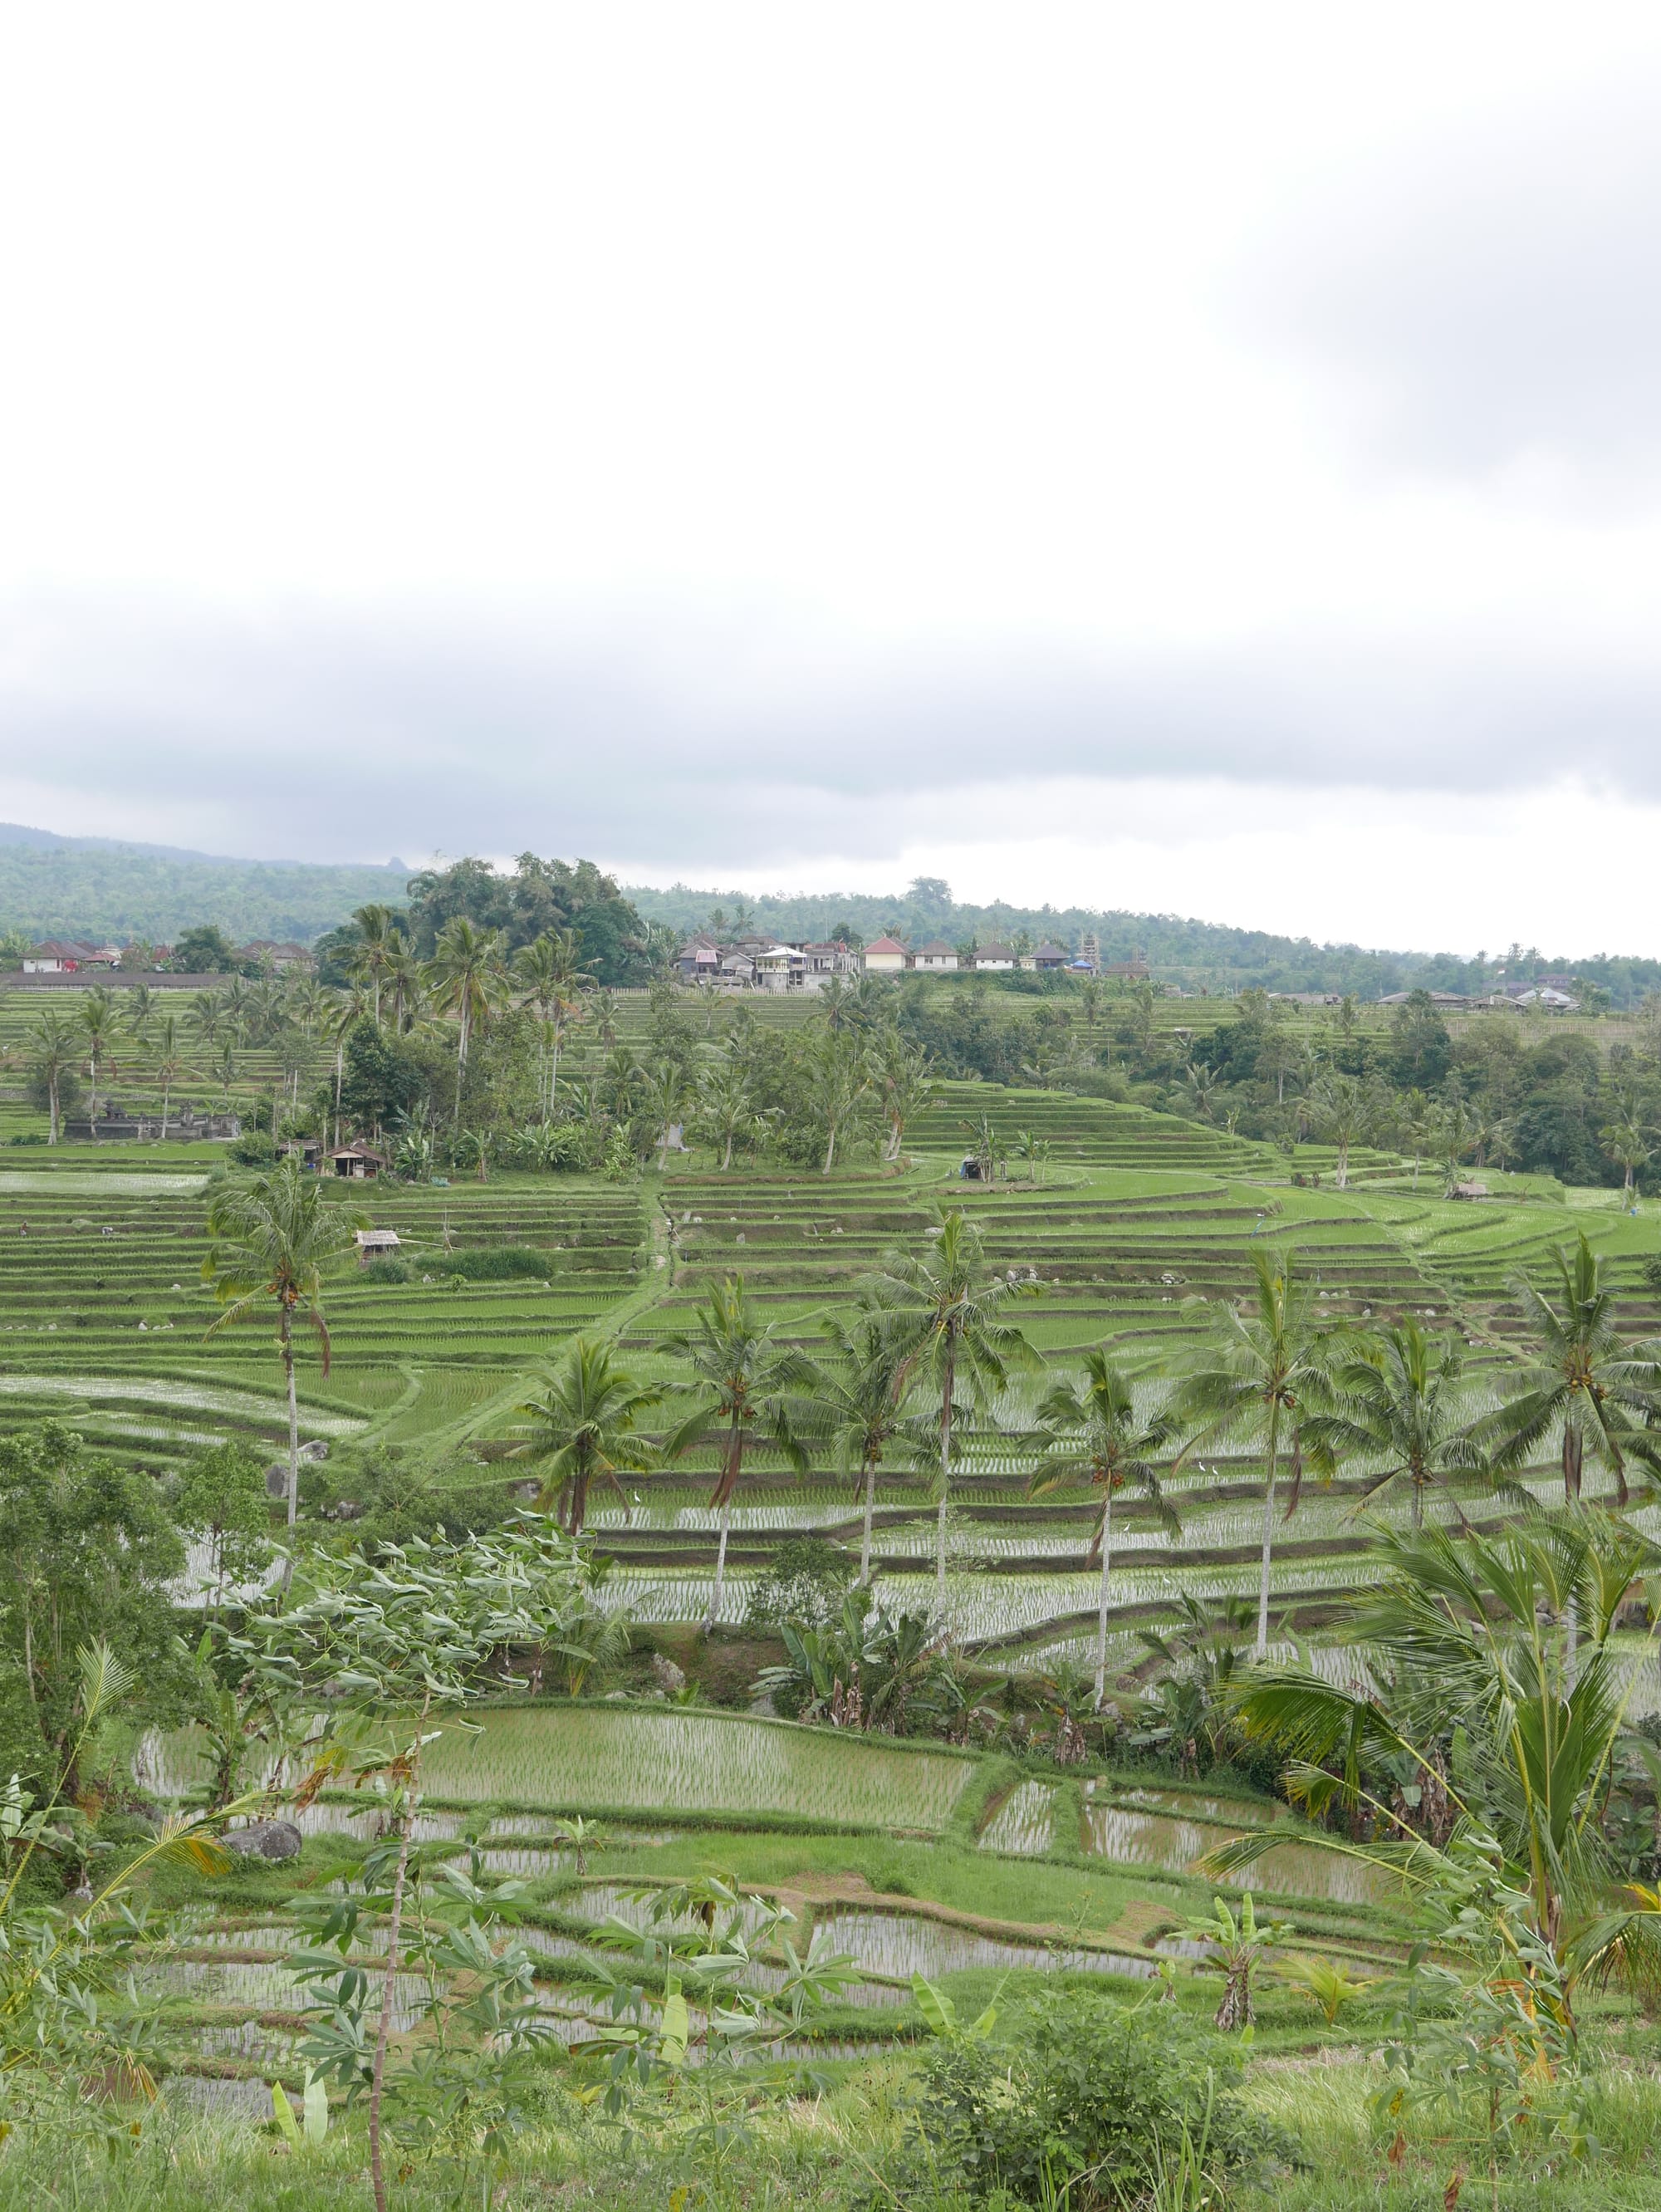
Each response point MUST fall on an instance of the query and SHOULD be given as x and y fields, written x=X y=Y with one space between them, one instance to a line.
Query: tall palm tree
x=549 y=975
x=403 y=986
x=1587 y=1386
x=842 y=1078
x=141 y=1008
x=346 y=1010
x=665 y=1094
x=1477 y=1631
x=741 y=1386
x=901 y=1071
x=1341 y=1110
x=1399 y=1403
x=467 y=977
x=206 y=1016
x=857 y=1404
x=100 y=1018
x=379 y=937
x=1263 y=1371
x=1096 y=1434
x=274 y=1237
x=1627 y=1141
x=726 y=1102
x=54 y=1050
x=946 y=1313
x=587 y=1417
x=169 y=1058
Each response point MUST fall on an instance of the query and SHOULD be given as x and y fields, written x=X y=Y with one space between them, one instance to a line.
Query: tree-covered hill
x=93 y=888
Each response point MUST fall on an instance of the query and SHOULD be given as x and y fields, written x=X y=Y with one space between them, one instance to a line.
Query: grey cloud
x=328 y=737
x=1490 y=295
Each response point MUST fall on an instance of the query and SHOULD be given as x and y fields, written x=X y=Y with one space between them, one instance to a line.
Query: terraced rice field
x=592 y=1758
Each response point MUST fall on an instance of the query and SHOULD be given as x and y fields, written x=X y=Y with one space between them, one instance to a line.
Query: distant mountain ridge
x=107 y=887
x=55 y=885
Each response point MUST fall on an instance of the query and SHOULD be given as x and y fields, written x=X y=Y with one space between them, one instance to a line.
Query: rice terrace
x=830 y=1109
x=851 y=1536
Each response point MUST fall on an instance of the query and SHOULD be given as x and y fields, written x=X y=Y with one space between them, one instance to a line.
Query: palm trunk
x=553 y=1070
x=51 y=1104
x=865 y=1542
x=340 y=1065
x=1268 y=1531
x=726 y=1156
x=830 y=1151
x=1101 y=1610
x=286 y=1334
x=945 y=1473
x=91 y=1106
x=1343 y=1163
x=729 y=1484
x=388 y=1985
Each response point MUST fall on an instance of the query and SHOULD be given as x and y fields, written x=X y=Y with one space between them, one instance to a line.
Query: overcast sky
x=1201 y=459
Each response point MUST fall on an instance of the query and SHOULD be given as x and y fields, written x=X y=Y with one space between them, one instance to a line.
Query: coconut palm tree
x=274 y=1237
x=1263 y=1371
x=726 y=1103
x=1587 y=1386
x=664 y=1093
x=141 y=1008
x=1627 y=1141
x=1342 y=1111
x=1474 y=1631
x=903 y=1082
x=207 y=1016
x=99 y=1020
x=54 y=1050
x=1399 y=1403
x=467 y=979
x=1095 y=1434
x=549 y=975
x=857 y=1404
x=373 y=957
x=742 y=1387
x=841 y=1079
x=587 y=1415
x=945 y=1311
x=169 y=1058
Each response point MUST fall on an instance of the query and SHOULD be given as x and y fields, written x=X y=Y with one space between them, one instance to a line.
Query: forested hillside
x=92 y=888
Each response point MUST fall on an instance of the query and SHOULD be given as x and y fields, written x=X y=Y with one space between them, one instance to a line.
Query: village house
x=699 y=959
x=1048 y=958
x=886 y=956
x=359 y=1162
x=376 y=1244
x=936 y=955
x=995 y=956
x=57 y=955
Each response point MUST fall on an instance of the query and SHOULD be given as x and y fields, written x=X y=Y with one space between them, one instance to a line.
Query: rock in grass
x=264 y=1839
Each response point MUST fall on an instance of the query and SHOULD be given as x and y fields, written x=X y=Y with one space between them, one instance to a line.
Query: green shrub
x=1652 y=1271
x=253 y=1149
x=1083 y=2085
x=389 y=1270
x=499 y=1265
x=803 y=1582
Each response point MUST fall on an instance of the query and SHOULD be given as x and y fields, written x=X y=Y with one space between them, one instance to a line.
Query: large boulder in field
x=264 y=1839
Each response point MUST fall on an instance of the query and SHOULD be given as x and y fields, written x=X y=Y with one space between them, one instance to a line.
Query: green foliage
x=381 y=1077
x=392 y=1493
x=87 y=1552
x=387 y=1269
x=255 y=1148
x=1081 y=2094
x=203 y=950
x=223 y=1498
x=803 y=1582
x=492 y=1263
